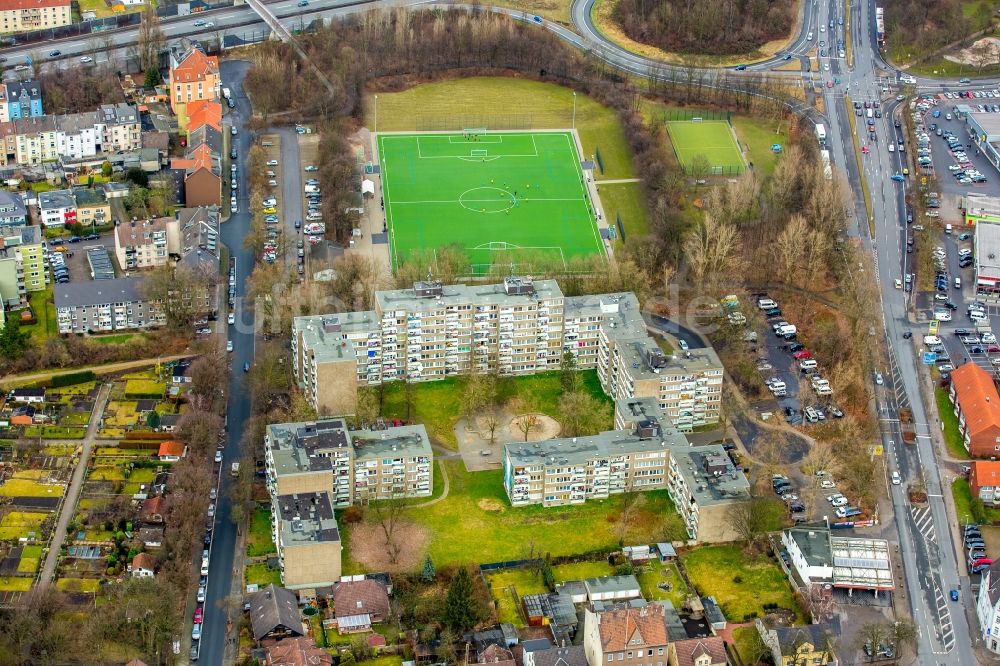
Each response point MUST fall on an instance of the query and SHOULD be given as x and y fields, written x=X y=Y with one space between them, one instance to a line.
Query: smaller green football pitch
x=711 y=138
x=504 y=194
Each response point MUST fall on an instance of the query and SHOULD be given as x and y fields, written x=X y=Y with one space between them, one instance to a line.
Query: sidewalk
x=68 y=508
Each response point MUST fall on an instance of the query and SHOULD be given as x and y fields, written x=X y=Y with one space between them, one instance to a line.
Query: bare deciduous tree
x=150 y=39
x=389 y=513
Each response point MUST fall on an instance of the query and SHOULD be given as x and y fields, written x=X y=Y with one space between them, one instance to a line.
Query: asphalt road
x=220 y=573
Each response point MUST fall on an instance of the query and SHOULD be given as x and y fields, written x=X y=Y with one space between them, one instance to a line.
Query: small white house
x=988 y=608
x=612 y=588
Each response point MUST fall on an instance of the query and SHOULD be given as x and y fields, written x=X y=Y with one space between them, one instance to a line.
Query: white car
x=211 y=510
x=827 y=483
x=878 y=378
x=840 y=501
x=86 y=60
x=272 y=163
x=988 y=338
x=196 y=632
x=270 y=201
x=233 y=130
x=201 y=594
x=942 y=315
x=231 y=319
x=229 y=345
x=895 y=479
x=213 y=493
x=218 y=456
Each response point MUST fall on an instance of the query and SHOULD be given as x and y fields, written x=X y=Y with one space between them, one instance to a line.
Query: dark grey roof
x=536 y=644
x=169 y=419
x=994 y=587
x=99 y=292
x=11 y=204
x=820 y=635
x=56 y=199
x=572 y=655
x=23 y=89
x=712 y=610
x=274 y=607
x=28 y=393
x=206 y=134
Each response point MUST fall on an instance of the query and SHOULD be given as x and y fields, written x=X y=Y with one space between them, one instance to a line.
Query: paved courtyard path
x=75 y=485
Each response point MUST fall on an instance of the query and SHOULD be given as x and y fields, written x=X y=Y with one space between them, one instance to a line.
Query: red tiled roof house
x=977 y=407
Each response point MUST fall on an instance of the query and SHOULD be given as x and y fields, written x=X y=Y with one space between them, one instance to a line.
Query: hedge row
x=134 y=445
x=149 y=435
x=72 y=378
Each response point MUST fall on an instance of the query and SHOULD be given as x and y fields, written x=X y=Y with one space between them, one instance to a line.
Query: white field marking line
x=480 y=158
x=511 y=248
x=593 y=219
x=420 y=154
x=394 y=257
x=452 y=137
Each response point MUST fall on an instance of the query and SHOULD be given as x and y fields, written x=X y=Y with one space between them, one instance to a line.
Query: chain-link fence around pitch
x=704 y=142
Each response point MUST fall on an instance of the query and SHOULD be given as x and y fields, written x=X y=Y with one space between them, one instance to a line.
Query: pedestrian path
x=68 y=508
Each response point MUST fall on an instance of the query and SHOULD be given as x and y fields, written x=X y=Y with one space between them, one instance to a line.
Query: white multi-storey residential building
x=353 y=466
x=104 y=305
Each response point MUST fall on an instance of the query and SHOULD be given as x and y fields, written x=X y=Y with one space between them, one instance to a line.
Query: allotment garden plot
x=497 y=195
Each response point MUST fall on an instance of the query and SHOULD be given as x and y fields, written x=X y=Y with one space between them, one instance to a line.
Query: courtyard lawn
x=113 y=339
x=742 y=585
x=628 y=201
x=757 y=135
x=952 y=435
x=261 y=575
x=29 y=488
x=75 y=419
x=655 y=572
x=17 y=524
x=15 y=583
x=259 y=540
x=476 y=524
x=437 y=405
x=478 y=101
x=121 y=413
x=144 y=388
x=31 y=557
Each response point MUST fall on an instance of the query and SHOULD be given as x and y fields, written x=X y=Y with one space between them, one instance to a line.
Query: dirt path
x=76 y=484
x=14 y=380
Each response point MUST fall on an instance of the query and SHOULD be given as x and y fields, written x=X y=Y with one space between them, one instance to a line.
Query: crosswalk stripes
x=924 y=522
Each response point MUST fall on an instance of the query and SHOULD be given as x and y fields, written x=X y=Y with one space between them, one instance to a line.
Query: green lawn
x=75 y=419
x=628 y=201
x=476 y=524
x=113 y=339
x=262 y=575
x=744 y=638
x=656 y=572
x=30 y=488
x=15 y=583
x=740 y=584
x=962 y=495
x=470 y=102
x=78 y=584
x=952 y=435
x=712 y=139
x=527 y=581
x=54 y=432
x=31 y=556
x=17 y=524
x=437 y=405
x=45 y=315
x=496 y=195
x=259 y=540
x=757 y=135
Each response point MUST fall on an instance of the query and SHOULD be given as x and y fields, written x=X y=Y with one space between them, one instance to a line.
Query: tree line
x=918 y=27
x=709 y=27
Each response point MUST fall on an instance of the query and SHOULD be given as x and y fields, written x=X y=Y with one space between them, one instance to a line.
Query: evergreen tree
x=153 y=419
x=13 y=341
x=429 y=573
x=460 y=606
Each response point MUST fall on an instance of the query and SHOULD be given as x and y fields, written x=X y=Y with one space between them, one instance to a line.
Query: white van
x=787 y=329
x=947 y=228
x=766 y=304
x=808 y=364
x=892 y=148
x=932 y=340
x=958 y=283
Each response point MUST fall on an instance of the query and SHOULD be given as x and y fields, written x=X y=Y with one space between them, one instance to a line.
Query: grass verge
x=259 y=540
x=628 y=201
x=848 y=105
x=952 y=435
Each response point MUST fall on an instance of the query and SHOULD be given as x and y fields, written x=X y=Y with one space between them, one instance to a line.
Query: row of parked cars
x=963 y=170
x=783 y=488
x=976 y=549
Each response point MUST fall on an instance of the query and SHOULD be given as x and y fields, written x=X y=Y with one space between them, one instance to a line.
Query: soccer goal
x=477 y=131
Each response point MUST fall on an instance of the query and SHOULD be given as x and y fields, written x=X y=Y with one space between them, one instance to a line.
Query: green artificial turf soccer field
x=711 y=138
x=493 y=192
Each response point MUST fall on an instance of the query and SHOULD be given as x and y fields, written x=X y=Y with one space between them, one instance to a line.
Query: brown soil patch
x=368 y=547
x=985 y=51
x=487 y=504
x=545 y=427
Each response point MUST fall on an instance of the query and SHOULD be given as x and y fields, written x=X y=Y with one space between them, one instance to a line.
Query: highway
x=925 y=539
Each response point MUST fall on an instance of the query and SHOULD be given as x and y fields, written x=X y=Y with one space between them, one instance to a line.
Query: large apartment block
x=104 y=305
x=307 y=539
x=645 y=452
x=518 y=327
x=352 y=466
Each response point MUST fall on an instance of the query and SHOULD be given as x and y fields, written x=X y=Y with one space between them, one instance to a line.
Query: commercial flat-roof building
x=848 y=563
x=986 y=249
x=985 y=129
x=352 y=466
x=518 y=327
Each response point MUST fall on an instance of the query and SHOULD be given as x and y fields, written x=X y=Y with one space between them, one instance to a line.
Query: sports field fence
x=694 y=114
x=621 y=227
x=598 y=158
